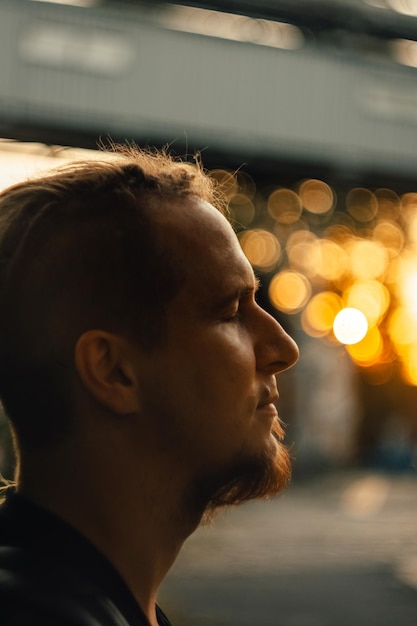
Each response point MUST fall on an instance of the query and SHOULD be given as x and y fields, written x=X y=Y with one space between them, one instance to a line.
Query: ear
x=104 y=364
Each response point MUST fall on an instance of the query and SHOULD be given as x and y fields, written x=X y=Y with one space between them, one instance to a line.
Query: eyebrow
x=239 y=293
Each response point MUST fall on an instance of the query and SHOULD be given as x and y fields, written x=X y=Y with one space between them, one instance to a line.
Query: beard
x=260 y=477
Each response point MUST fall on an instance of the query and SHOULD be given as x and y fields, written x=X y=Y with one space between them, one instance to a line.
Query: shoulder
x=50 y=575
x=40 y=593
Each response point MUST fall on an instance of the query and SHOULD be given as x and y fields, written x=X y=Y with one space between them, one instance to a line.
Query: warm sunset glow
x=316 y=196
x=227 y=181
x=318 y=317
x=389 y=235
x=402 y=327
x=412 y=229
x=289 y=291
x=346 y=264
x=285 y=206
x=350 y=326
x=246 y=184
x=409 y=215
x=302 y=252
x=367 y=350
x=408 y=290
x=330 y=260
x=368 y=259
x=361 y=204
x=242 y=210
x=369 y=296
x=410 y=370
x=261 y=247
x=389 y=204
x=409 y=201
x=406 y=282
x=409 y=364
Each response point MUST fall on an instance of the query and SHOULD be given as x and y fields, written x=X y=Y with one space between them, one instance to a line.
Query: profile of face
x=210 y=388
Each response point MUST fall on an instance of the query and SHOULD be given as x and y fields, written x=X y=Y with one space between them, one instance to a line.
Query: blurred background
x=306 y=112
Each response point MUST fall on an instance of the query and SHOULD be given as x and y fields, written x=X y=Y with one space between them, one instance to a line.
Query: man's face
x=210 y=389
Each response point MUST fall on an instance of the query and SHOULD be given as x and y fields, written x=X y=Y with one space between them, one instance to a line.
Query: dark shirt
x=50 y=575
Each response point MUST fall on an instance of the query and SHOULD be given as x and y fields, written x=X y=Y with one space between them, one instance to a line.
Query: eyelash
x=236 y=317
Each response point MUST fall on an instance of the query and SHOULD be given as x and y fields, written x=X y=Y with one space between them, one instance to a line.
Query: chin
x=257 y=476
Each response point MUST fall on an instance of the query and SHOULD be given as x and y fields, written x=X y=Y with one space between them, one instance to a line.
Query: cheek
x=226 y=397
x=229 y=348
x=202 y=378
x=224 y=371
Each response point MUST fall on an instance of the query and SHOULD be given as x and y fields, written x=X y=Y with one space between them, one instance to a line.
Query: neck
x=135 y=516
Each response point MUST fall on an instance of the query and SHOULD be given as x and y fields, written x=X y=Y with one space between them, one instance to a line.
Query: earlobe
x=103 y=363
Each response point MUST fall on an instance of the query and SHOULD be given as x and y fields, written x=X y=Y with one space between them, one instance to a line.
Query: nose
x=275 y=350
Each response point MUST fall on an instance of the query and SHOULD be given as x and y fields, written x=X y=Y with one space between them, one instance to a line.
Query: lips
x=267 y=410
x=268 y=398
x=268 y=402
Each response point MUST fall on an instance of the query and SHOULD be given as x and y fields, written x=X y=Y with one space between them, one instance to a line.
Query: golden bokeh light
x=316 y=196
x=289 y=291
x=339 y=233
x=331 y=260
x=389 y=235
x=408 y=291
x=402 y=327
x=389 y=204
x=406 y=282
x=300 y=237
x=367 y=351
x=242 y=210
x=285 y=206
x=301 y=251
x=245 y=183
x=409 y=201
x=342 y=227
x=361 y=204
x=318 y=317
x=390 y=276
x=369 y=296
x=227 y=182
x=409 y=215
x=409 y=365
x=261 y=247
x=412 y=230
x=367 y=259
x=284 y=231
x=347 y=265
x=350 y=326
x=345 y=261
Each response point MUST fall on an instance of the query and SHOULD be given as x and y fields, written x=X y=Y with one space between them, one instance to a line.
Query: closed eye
x=246 y=299
x=238 y=301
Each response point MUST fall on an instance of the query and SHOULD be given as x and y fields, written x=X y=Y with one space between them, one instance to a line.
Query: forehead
x=201 y=240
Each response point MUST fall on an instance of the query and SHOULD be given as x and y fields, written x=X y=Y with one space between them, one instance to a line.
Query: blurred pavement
x=340 y=549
